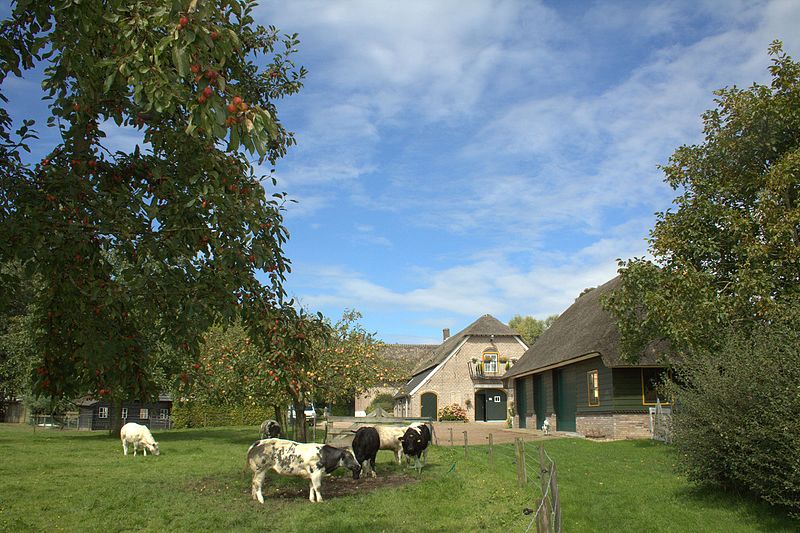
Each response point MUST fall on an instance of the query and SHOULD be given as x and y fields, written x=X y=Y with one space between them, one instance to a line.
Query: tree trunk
x=299 y=420
x=116 y=417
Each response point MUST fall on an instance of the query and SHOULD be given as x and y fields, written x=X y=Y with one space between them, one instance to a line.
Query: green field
x=54 y=480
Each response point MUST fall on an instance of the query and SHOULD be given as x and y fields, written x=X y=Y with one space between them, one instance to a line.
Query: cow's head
x=332 y=458
x=152 y=448
x=412 y=441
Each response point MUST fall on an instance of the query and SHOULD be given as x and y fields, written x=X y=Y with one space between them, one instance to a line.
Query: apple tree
x=151 y=245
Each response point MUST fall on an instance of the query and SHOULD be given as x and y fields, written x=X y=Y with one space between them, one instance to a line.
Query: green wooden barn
x=574 y=376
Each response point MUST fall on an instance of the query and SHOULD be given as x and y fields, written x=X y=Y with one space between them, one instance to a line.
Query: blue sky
x=457 y=158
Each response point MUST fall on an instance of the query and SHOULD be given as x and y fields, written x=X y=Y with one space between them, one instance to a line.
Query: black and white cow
x=366 y=444
x=270 y=429
x=306 y=460
x=415 y=443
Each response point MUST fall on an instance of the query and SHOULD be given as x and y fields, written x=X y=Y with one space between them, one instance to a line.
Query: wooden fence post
x=491 y=451
x=555 y=499
x=545 y=480
x=520 y=453
x=451 y=437
x=465 y=445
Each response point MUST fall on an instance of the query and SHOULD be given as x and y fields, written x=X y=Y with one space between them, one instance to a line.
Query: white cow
x=306 y=460
x=546 y=426
x=139 y=436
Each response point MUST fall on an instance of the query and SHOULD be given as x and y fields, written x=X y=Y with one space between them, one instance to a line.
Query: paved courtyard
x=478 y=433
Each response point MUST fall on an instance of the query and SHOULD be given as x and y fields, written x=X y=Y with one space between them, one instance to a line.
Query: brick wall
x=614 y=426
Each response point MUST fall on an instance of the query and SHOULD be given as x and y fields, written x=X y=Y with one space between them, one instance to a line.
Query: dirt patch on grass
x=287 y=489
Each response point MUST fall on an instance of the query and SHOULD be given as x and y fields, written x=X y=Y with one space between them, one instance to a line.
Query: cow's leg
x=125 y=447
x=425 y=456
x=135 y=448
x=144 y=450
x=257 y=484
x=399 y=456
x=316 y=484
x=372 y=466
x=417 y=464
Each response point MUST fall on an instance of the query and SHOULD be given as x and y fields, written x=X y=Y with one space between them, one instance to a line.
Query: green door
x=480 y=407
x=495 y=405
x=539 y=400
x=429 y=407
x=564 y=395
x=519 y=388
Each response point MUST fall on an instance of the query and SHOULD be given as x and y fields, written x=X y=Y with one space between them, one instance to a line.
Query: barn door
x=564 y=393
x=519 y=387
x=429 y=405
x=539 y=400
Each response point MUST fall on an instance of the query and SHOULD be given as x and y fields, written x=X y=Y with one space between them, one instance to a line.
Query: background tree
x=183 y=214
x=351 y=362
x=724 y=288
x=529 y=327
x=729 y=254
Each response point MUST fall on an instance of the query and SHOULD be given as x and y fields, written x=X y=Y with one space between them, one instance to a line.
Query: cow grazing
x=270 y=429
x=140 y=437
x=309 y=461
x=366 y=444
x=415 y=442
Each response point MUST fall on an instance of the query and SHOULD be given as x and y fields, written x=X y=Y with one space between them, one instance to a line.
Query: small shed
x=95 y=414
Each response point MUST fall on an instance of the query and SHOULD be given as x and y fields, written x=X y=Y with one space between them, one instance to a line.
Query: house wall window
x=144 y=414
x=163 y=414
x=651 y=379
x=490 y=362
x=102 y=412
x=124 y=413
x=593 y=384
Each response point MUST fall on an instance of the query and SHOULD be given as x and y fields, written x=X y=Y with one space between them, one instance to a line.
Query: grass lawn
x=54 y=480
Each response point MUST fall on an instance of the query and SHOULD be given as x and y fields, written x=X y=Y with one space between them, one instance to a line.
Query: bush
x=736 y=418
x=452 y=412
x=193 y=415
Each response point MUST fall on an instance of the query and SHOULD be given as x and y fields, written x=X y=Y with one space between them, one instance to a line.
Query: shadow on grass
x=770 y=517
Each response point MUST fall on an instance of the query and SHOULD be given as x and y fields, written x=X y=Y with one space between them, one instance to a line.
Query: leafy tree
x=729 y=254
x=529 y=327
x=171 y=234
x=724 y=290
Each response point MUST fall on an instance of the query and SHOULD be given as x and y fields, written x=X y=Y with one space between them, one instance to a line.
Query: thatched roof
x=584 y=328
x=485 y=326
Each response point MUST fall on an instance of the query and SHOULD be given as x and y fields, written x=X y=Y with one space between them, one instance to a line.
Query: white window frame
x=490 y=366
x=144 y=414
x=163 y=414
x=102 y=412
x=124 y=413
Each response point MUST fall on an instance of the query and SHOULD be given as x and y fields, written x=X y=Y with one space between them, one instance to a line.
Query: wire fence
x=537 y=475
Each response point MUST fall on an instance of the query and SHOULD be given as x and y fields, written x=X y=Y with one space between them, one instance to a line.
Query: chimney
x=445 y=334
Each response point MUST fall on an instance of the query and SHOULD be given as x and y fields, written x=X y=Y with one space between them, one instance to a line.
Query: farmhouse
x=464 y=370
x=574 y=376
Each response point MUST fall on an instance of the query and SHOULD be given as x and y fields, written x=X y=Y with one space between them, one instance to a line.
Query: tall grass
x=79 y=481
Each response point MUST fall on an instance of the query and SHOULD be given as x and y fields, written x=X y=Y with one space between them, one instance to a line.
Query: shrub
x=736 y=421
x=188 y=415
x=452 y=412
